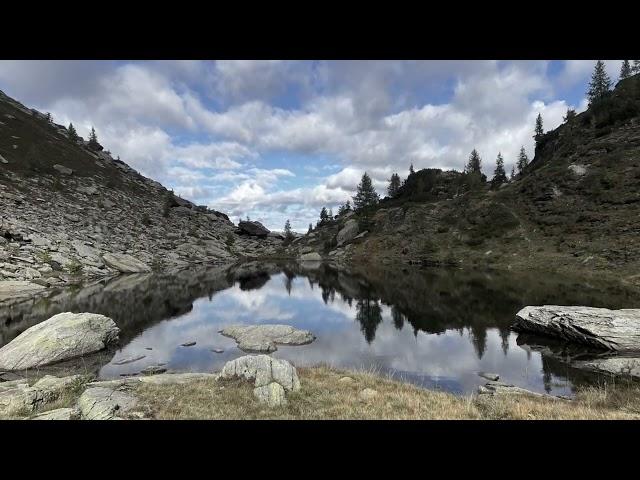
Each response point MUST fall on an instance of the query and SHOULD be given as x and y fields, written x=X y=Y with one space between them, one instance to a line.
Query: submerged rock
x=130 y=359
x=616 y=330
x=63 y=336
x=264 y=338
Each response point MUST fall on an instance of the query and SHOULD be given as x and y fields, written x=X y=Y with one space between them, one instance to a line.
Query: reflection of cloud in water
x=448 y=359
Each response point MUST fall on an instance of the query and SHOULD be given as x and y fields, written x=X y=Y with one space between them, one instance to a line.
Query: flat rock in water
x=264 y=338
x=489 y=376
x=217 y=350
x=500 y=388
x=131 y=359
x=188 y=344
x=153 y=370
x=14 y=289
x=615 y=330
x=63 y=336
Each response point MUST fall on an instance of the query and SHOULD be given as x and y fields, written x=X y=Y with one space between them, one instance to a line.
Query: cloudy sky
x=281 y=139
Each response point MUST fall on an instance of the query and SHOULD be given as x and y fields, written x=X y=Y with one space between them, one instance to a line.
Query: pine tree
x=48 y=117
x=411 y=170
x=600 y=84
x=571 y=113
x=310 y=229
x=347 y=206
x=512 y=177
x=93 y=138
x=474 y=165
x=636 y=67
x=394 y=185
x=539 y=130
x=366 y=195
x=523 y=160
x=324 y=216
x=499 y=175
x=288 y=234
x=330 y=214
x=73 y=135
x=625 y=70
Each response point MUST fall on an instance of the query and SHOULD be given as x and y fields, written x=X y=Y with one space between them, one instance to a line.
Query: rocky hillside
x=69 y=211
x=577 y=205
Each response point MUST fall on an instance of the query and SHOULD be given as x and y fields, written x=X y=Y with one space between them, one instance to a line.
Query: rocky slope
x=576 y=206
x=69 y=211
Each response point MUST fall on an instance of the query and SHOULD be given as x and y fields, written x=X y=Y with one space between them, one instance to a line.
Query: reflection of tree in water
x=369 y=315
x=505 y=333
x=398 y=317
x=328 y=293
x=478 y=335
x=288 y=280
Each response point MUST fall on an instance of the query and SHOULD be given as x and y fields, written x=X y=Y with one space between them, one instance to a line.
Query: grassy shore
x=326 y=395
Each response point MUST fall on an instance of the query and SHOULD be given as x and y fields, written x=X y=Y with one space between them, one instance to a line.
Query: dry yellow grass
x=324 y=397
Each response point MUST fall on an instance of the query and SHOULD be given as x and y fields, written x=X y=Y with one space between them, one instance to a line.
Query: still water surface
x=436 y=328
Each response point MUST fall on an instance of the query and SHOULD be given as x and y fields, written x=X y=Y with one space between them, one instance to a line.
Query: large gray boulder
x=125 y=263
x=63 y=336
x=311 y=257
x=348 y=232
x=272 y=377
x=101 y=403
x=264 y=338
x=17 y=398
x=615 y=330
x=253 y=228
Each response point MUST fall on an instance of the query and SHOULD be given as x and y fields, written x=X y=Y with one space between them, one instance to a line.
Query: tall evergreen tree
x=288 y=234
x=48 y=117
x=571 y=113
x=330 y=214
x=347 y=206
x=539 y=130
x=411 y=170
x=366 y=195
x=499 y=175
x=600 y=84
x=636 y=67
x=523 y=160
x=625 y=70
x=474 y=165
x=512 y=177
x=73 y=135
x=394 y=185
x=324 y=215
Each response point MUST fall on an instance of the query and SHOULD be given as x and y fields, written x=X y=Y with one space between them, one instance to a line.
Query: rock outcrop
x=264 y=338
x=18 y=398
x=63 y=336
x=102 y=403
x=601 y=328
x=253 y=228
x=125 y=263
x=272 y=377
x=348 y=232
x=311 y=257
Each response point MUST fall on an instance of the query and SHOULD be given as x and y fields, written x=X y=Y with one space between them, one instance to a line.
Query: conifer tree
x=73 y=135
x=512 y=177
x=571 y=113
x=625 y=70
x=474 y=165
x=499 y=175
x=539 y=130
x=411 y=170
x=48 y=117
x=523 y=160
x=600 y=84
x=366 y=195
x=330 y=214
x=394 y=185
x=636 y=67
x=310 y=229
x=324 y=215
x=288 y=235
x=93 y=138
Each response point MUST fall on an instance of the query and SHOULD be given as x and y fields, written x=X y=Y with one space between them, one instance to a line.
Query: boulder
x=264 y=338
x=124 y=263
x=501 y=388
x=311 y=257
x=367 y=394
x=13 y=289
x=102 y=403
x=348 y=232
x=16 y=398
x=62 y=169
x=63 y=336
x=272 y=377
x=601 y=328
x=253 y=228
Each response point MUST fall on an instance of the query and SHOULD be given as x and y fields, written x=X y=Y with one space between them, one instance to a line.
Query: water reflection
x=436 y=328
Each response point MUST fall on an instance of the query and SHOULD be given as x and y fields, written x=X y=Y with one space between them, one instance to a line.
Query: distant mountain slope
x=69 y=211
x=577 y=205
